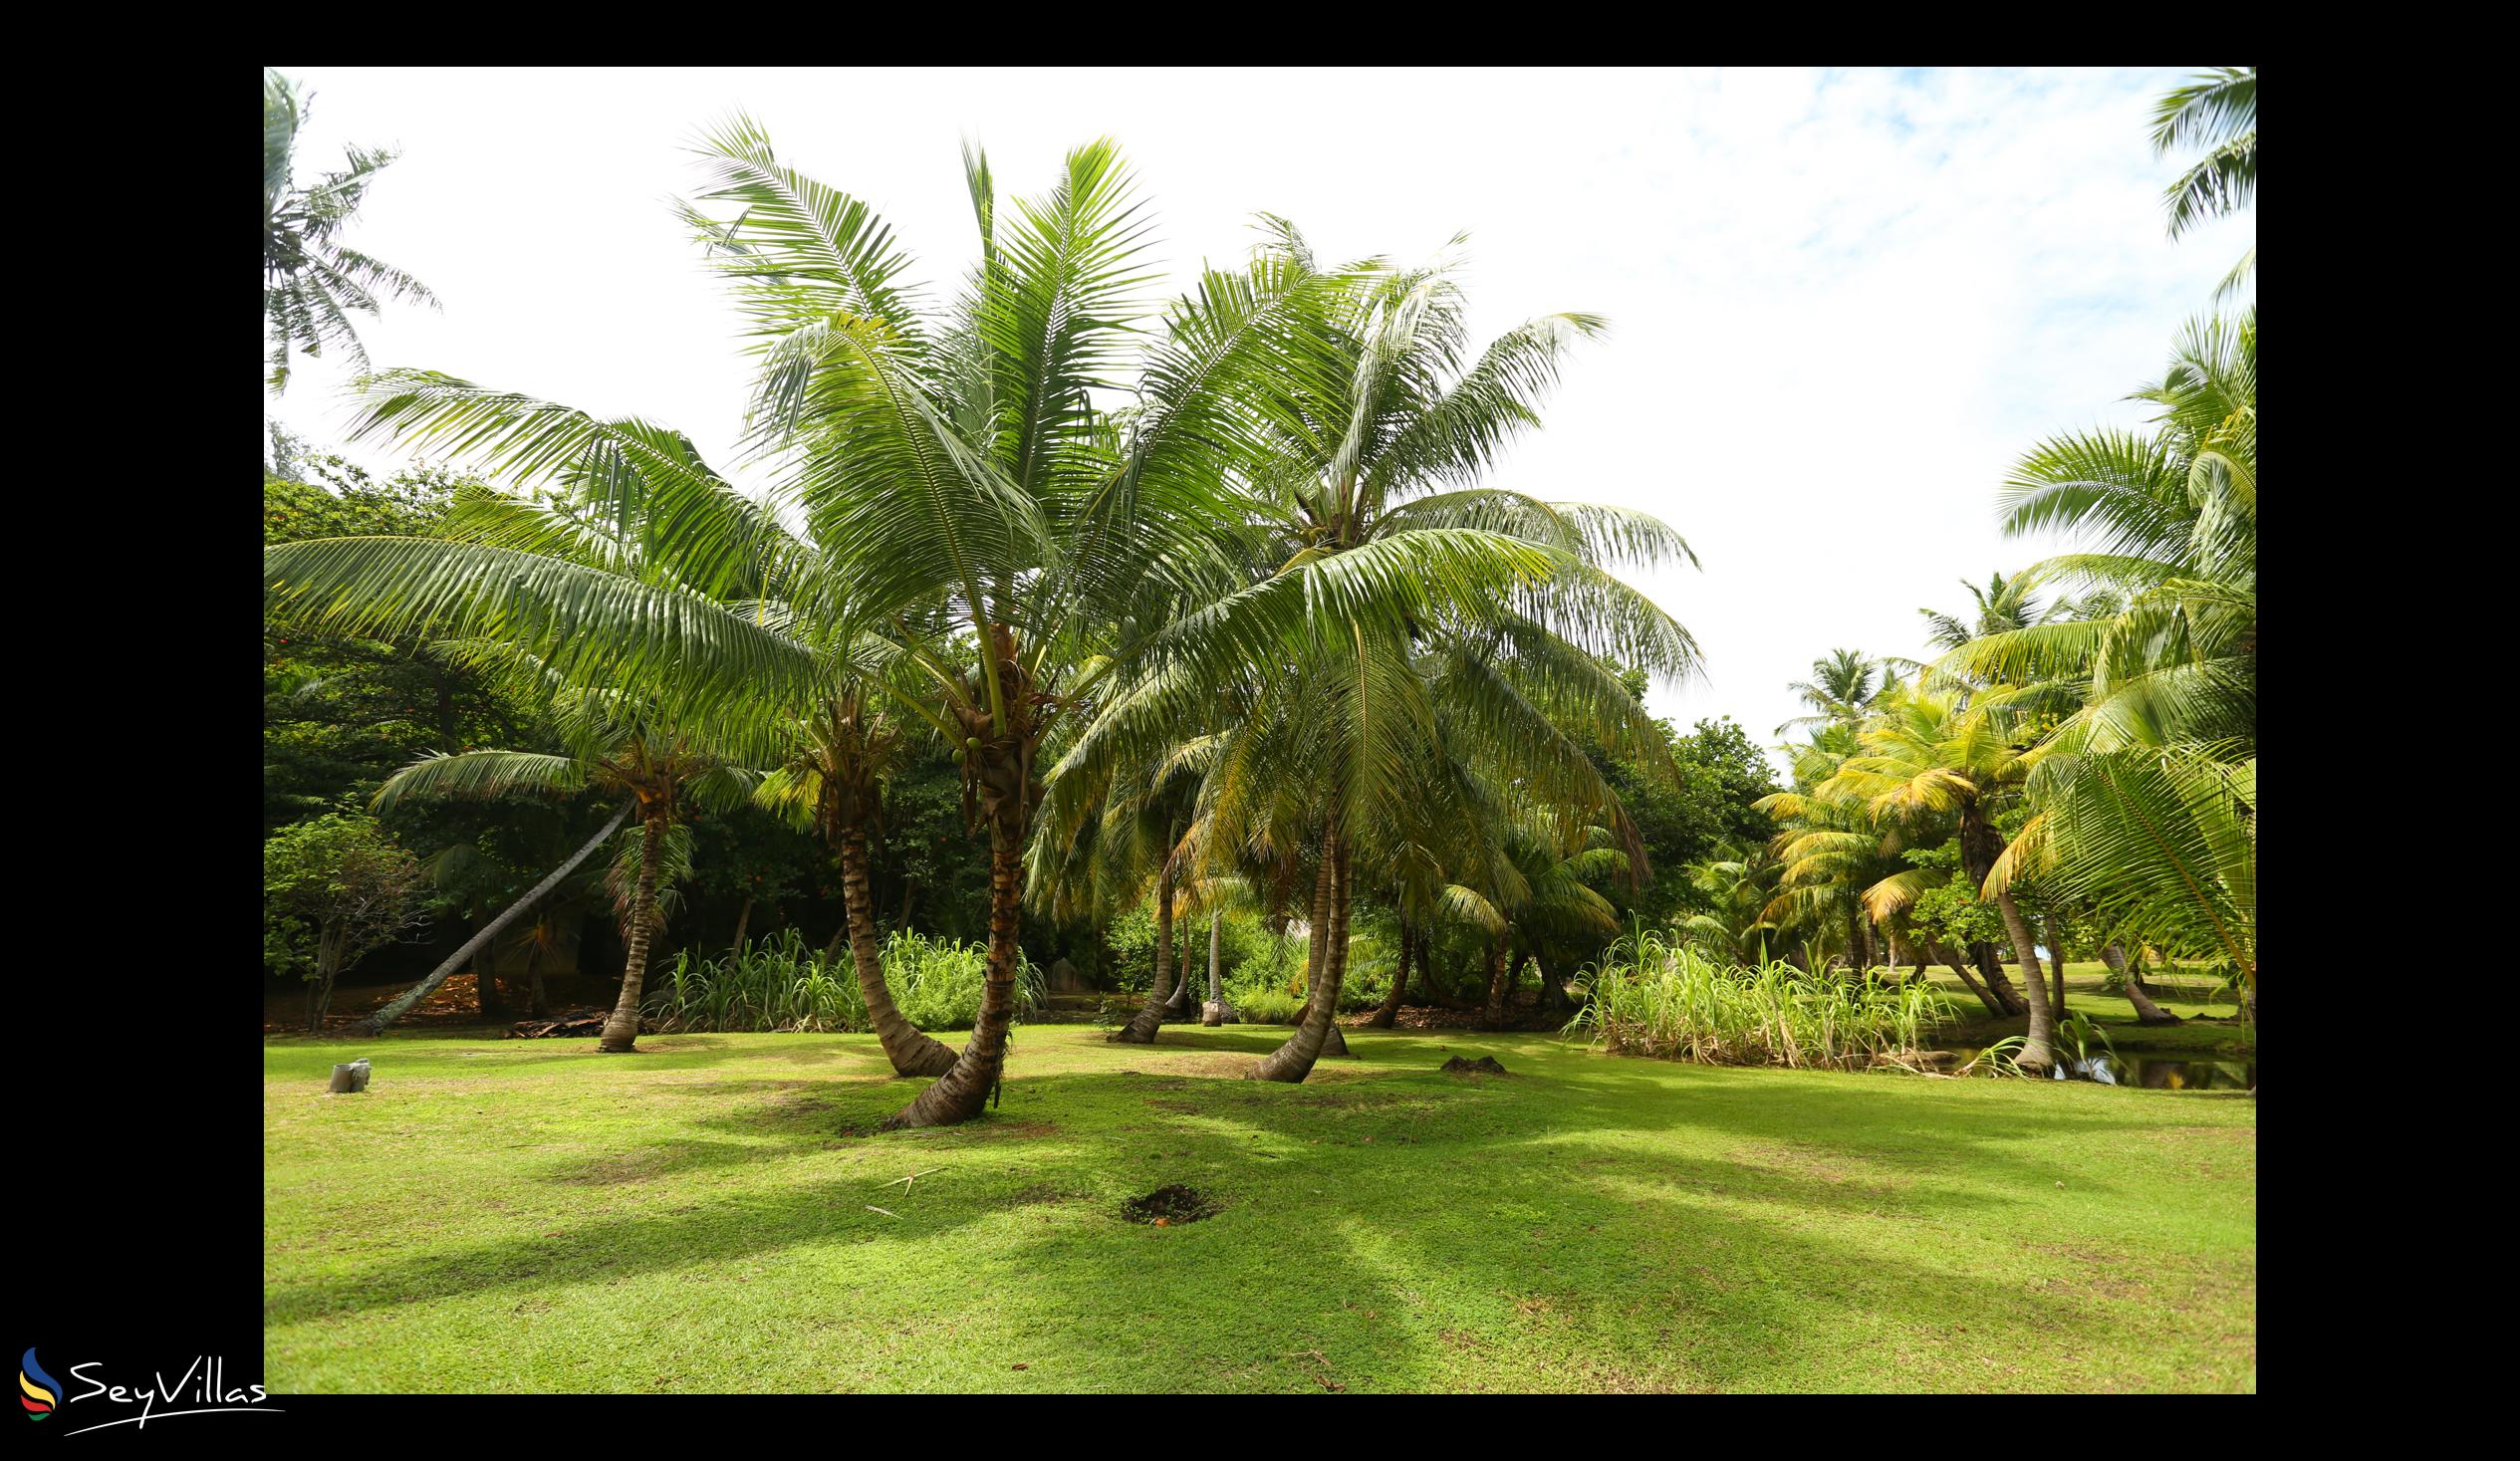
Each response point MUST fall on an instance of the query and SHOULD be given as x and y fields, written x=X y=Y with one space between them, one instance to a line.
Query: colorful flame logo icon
x=43 y=1392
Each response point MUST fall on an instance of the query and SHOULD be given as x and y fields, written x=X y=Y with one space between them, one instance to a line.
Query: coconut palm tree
x=1029 y=553
x=1927 y=757
x=845 y=748
x=2217 y=112
x=1390 y=421
x=2144 y=798
x=312 y=281
x=619 y=748
x=1844 y=684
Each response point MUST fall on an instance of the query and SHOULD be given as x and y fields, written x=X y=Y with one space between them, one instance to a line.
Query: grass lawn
x=526 y=1215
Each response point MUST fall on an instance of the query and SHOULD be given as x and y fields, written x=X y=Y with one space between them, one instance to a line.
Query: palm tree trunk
x=2056 y=962
x=1959 y=966
x=1213 y=1013
x=2146 y=1011
x=537 y=1003
x=1140 y=1030
x=621 y=1033
x=2038 y=1051
x=1326 y=892
x=485 y=981
x=1294 y=1060
x=963 y=1090
x=1390 y=1010
x=1991 y=969
x=1493 y=1017
x=912 y=1052
x=743 y=922
x=402 y=1005
x=1180 y=968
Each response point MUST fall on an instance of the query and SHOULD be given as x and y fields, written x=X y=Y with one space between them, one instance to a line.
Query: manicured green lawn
x=527 y=1215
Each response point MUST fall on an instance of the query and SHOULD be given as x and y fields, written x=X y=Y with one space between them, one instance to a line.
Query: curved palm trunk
x=403 y=1003
x=2138 y=995
x=1294 y=1060
x=1180 y=971
x=1141 y=1027
x=1390 y=1010
x=2038 y=1051
x=621 y=1033
x=1325 y=892
x=1959 y=966
x=912 y=1052
x=963 y=1090
x=1991 y=969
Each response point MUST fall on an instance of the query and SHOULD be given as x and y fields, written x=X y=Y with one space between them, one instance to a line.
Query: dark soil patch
x=1168 y=1207
x=1483 y=1065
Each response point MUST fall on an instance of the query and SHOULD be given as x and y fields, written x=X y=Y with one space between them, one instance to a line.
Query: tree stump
x=350 y=1077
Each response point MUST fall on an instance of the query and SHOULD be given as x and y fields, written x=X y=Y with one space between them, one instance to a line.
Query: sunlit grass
x=527 y=1215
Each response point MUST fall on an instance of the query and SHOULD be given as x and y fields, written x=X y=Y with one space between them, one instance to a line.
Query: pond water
x=2148 y=1071
x=2161 y=1072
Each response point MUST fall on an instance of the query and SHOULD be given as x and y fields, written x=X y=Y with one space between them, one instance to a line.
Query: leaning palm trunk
x=403 y=1003
x=1991 y=969
x=963 y=1090
x=1959 y=966
x=1324 y=891
x=1294 y=1060
x=621 y=1033
x=912 y=1052
x=2037 y=1048
x=1140 y=1030
x=1389 y=1011
x=2146 y=1011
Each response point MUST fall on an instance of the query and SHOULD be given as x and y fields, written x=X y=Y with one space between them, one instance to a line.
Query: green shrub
x=1656 y=998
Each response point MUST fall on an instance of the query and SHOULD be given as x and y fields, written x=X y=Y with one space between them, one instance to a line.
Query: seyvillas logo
x=201 y=1389
x=41 y=1391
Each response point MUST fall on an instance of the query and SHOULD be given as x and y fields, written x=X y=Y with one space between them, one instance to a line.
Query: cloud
x=1842 y=303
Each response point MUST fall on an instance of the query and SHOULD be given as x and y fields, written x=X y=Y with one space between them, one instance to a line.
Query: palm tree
x=1030 y=554
x=2216 y=110
x=1389 y=421
x=1841 y=688
x=1928 y=757
x=312 y=281
x=612 y=746
x=2143 y=801
x=1737 y=886
x=833 y=780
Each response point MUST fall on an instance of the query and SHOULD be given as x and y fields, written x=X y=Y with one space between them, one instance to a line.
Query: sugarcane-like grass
x=1652 y=997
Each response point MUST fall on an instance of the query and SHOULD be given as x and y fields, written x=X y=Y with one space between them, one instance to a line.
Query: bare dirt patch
x=1483 y=1065
x=1169 y=1207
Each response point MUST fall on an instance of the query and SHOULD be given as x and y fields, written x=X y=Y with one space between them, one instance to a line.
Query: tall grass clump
x=1653 y=997
x=774 y=984
x=778 y=985
x=936 y=982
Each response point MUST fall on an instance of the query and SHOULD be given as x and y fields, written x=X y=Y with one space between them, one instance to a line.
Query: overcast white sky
x=1840 y=303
